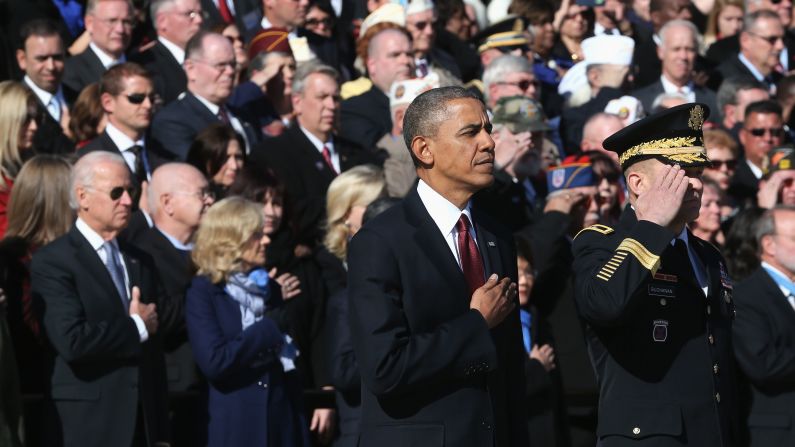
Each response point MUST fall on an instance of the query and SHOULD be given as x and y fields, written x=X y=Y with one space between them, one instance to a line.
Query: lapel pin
x=491 y=244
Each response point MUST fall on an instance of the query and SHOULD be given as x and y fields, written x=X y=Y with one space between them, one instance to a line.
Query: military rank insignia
x=659 y=332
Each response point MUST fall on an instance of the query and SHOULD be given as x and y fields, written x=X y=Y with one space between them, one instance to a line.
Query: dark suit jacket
x=251 y=399
x=433 y=373
x=661 y=349
x=81 y=70
x=102 y=371
x=167 y=73
x=744 y=185
x=645 y=59
x=648 y=94
x=153 y=157
x=49 y=137
x=366 y=118
x=728 y=47
x=242 y=7
x=764 y=344
x=343 y=369
x=175 y=273
x=175 y=127
x=733 y=68
x=305 y=175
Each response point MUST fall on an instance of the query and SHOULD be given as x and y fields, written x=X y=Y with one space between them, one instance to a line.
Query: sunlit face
x=192 y=200
x=273 y=207
x=544 y=37
x=254 y=250
x=122 y=109
x=724 y=163
x=730 y=21
x=420 y=25
x=574 y=25
x=42 y=60
x=96 y=206
x=678 y=54
x=525 y=280
x=761 y=132
x=286 y=13
x=786 y=193
x=392 y=59
x=211 y=75
x=28 y=129
x=783 y=241
x=709 y=213
x=318 y=21
x=180 y=22
x=234 y=163
x=110 y=26
x=763 y=44
x=233 y=35
x=317 y=108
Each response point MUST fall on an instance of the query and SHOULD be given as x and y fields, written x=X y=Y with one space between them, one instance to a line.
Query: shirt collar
x=214 y=108
x=444 y=214
x=122 y=141
x=754 y=169
x=93 y=238
x=43 y=95
x=669 y=86
x=174 y=49
x=265 y=24
x=316 y=141
x=106 y=59
x=177 y=244
x=683 y=237
x=784 y=290
x=757 y=74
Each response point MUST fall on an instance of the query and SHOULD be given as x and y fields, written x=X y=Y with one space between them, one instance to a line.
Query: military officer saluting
x=656 y=299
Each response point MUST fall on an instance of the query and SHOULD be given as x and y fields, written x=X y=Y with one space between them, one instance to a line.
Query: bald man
x=597 y=129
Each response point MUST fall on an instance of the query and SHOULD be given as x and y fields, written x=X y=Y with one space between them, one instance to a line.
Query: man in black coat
x=654 y=297
x=209 y=63
x=98 y=298
x=109 y=25
x=764 y=333
x=308 y=156
x=432 y=290
x=176 y=21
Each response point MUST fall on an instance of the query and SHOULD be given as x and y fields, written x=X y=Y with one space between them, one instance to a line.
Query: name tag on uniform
x=666 y=277
x=663 y=290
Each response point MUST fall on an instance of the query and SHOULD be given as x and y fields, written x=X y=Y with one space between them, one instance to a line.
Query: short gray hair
x=502 y=66
x=304 y=70
x=84 y=170
x=681 y=24
x=155 y=6
x=91 y=5
x=766 y=225
x=426 y=113
x=664 y=96
x=749 y=21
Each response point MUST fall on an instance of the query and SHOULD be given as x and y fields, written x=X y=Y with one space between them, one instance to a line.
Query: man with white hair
x=597 y=129
x=509 y=75
x=98 y=296
x=677 y=51
x=420 y=19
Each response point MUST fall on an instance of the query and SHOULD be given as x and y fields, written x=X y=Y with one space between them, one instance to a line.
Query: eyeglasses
x=139 y=98
x=118 y=191
x=192 y=14
x=421 y=25
x=127 y=23
x=219 y=65
x=511 y=48
x=774 y=132
x=769 y=39
x=523 y=84
x=204 y=194
x=233 y=39
x=317 y=22
x=730 y=164
x=611 y=177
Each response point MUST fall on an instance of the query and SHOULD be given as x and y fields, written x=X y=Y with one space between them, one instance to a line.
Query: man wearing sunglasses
x=98 y=296
x=420 y=18
x=762 y=131
x=129 y=99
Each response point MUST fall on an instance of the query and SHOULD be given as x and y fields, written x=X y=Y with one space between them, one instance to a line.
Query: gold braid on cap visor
x=680 y=149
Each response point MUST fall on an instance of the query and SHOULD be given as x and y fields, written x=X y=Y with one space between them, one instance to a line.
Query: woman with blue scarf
x=235 y=324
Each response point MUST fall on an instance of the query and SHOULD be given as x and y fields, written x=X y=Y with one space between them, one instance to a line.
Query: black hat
x=511 y=24
x=673 y=136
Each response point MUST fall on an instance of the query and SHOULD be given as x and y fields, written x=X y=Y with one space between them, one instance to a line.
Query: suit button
x=711 y=339
x=663 y=301
x=486 y=425
x=636 y=431
x=709 y=309
x=715 y=368
x=717 y=397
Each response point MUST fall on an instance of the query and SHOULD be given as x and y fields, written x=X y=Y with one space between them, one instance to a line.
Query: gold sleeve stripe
x=599 y=228
x=644 y=256
x=602 y=277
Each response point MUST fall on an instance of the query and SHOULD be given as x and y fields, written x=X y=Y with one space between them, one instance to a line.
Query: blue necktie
x=526 y=319
x=116 y=271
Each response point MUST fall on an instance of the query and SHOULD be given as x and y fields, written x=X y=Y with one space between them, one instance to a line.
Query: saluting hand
x=147 y=312
x=661 y=203
x=494 y=300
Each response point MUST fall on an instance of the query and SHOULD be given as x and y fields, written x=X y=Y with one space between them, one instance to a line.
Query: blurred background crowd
x=233 y=148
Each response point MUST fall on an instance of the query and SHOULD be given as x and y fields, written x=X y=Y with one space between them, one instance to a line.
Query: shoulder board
x=599 y=228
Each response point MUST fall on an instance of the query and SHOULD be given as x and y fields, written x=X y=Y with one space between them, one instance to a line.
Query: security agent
x=656 y=299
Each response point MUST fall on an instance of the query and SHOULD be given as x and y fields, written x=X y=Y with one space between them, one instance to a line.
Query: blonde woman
x=18 y=124
x=233 y=318
x=347 y=198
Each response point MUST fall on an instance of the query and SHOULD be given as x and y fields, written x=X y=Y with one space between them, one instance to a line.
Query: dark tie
x=681 y=247
x=116 y=271
x=140 y=169
x=226 y=14
x=327 y=156
x=223 y=115
x=471 y=263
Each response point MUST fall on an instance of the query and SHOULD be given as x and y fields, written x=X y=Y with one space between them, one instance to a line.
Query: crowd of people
x=181 y=181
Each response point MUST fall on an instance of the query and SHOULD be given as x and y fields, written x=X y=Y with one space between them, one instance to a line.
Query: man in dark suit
x=216 y=12
x=653 y=296
x=178 y=197
x=432 y=290
x=677 y=51
x=764 y=334
x=99 y=315
x=41 y=58
x=646 y=62
x=128 y=97
x=210 y=66
x=176 y=21
x=110 y=25
x=762 y=131
x=366 y=117
x=308 y=155
x=760 y=51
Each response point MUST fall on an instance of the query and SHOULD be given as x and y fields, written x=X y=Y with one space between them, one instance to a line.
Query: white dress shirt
x=97 y=243
x=445 y=215
x=106 y=59
x=125 y=143
x=174 y=49
x=784 y=290
x=757 y=171
x=335 y=156
x=236 y=124
x=55 y=103
x=686 y=90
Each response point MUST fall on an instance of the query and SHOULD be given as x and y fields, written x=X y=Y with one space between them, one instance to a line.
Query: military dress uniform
x=658 y=310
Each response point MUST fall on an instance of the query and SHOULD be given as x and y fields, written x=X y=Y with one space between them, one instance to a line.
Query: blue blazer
x=251 y=400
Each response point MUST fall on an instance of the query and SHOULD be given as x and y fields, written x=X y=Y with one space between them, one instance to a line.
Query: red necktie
x=223 y=115
x=327 y=157
x=226 y=14
x=471 y=263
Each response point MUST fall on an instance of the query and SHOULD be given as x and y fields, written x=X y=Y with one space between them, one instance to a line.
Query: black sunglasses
x=730 y=164
x=316 y=22
x=774 y=131
x=138 y=98
x=117 y=192
x=510 y=48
